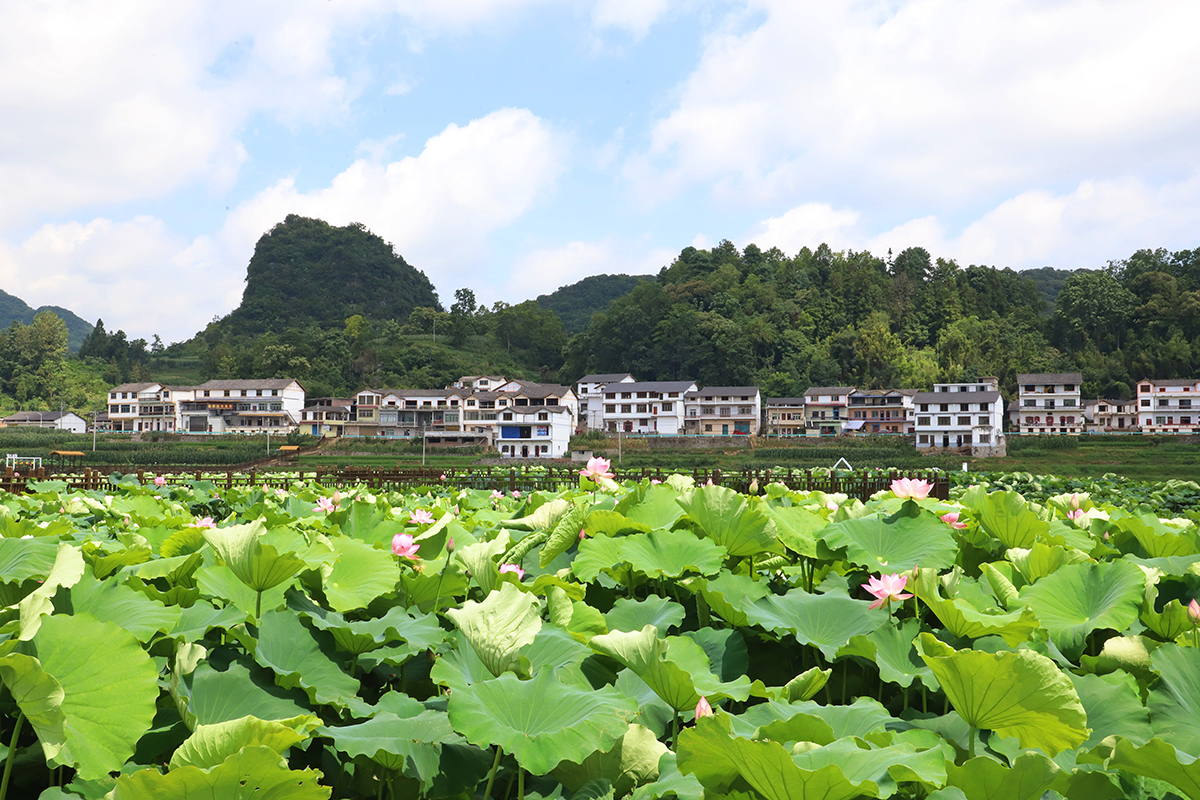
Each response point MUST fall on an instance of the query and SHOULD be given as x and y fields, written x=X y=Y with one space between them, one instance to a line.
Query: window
x=1049 y=404
x=924 y=406
x=1103 y=409
x=626 y=408
x=1185 y=403
x=610 y=409
x=641 y=409
x=227 y=394
x=1185 y=420
x=206 y=392
x=1029 y=387
x=745 y=409
x=1068 y=403
x=1145 y=387
x=964 y=407
x=507 y=415
x=1068 y=387
x=112 y=395
x=1145 y=402
x=1160 y=420
x=922 y=420
x=982 y=421
x=964 y=420
x=923 y=439
x=708 y=428
x=668 y=406
x=943 y=421
x=543 y=416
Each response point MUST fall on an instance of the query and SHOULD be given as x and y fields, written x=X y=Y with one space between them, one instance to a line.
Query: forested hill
x=825 y=318
x=307 y=271
x=576 y=303
x=1049 y=281
x=14 y=309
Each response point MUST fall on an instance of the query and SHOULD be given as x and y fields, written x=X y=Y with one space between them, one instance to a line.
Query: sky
x=516 y=146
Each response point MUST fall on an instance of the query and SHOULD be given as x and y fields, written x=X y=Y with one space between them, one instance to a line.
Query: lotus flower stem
x=971 y=746
x=487 y=792
x=520 y=783
x=12 y=753
x=674 y=732
x=258 y=606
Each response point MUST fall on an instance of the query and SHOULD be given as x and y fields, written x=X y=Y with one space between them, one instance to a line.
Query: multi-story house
x=784 y=416
x=825 y=409
x=406 y=413
x=480 y=383
x=1110 y=416
x=966 y=414
x=1048 y=403
x=722 y=411
x=240 y=406
x=535 y=431
x=590 y=391
x=880 y=411
x=137 y=407
x=326 y=416
x=646 y=406
x=1169 y=405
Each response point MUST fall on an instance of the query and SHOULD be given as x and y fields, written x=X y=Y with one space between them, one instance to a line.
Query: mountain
x=1049 y=282
x=307 y=271
x=576 y=303
x=14 y=309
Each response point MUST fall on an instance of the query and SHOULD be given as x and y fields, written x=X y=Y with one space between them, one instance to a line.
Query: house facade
x=1103 y=415
x=722 y=411
x=326 y=416
x=646 y=407
x=784 y=416
x=880 y=411
x=405 y=413
x=138 y=407
x=590 y=391
x=240 y=406
x=57 y=420
x=825 y=409
x=958 y=415
x=529 y=431
x=1048 y=403
x=1170 y=406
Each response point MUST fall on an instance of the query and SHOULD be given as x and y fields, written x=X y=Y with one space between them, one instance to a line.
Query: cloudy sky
x=515 y=146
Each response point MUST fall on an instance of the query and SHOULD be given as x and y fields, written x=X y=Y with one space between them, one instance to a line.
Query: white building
x=825 y=409
x=1110 y=416
x=590 y=391
x=722 y=411
x=1169 y=406
x=967 y=414
x=529 y=431
x=57 y=420
x=137 y=407
x=880 y=411
x=240 y=406
x=480 y=383
x=646 y=407
x=1049 y=403
x=784 y=416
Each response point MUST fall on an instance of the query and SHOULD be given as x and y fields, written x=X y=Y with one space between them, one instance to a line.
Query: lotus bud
x=450 y=545
x=703 y=709
x=1194 y=612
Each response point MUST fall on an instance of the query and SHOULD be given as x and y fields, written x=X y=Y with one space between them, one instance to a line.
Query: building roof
x=133 y=387
x=540 y=390
x=652 y=386
x=40 y=416
x=784 y=401
x=883 y=392
x=1171 y=381
x=956 y=397
x=828 y=390
x=724 y=391
x=1050 y=377
x=250 y=383
x=608 y=377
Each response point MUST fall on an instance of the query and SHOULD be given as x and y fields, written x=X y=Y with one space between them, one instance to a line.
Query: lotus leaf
x=258 y=566
x=728 y=594
x=727 y=518
x=1029 y=778
x=302 y=658
x=110 y=601
x=410 y=744
x=633 y=615
x=652 y=506
x=564 y=534
x=631 y=763
x=360 y=574
x=1080 y=598
x=252 y=773
x=893 y=546
x=828 y=621
x=210 y=745
x=1174 y=701
x=1006 y=516
x=661 y=554
x=1154 y=759
x=499 y=627
x=965 y=621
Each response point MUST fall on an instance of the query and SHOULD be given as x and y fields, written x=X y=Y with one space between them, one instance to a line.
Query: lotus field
x=646 y=640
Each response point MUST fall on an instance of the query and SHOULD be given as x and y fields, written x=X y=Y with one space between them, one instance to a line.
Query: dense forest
x=338 y=309
x=14 y=309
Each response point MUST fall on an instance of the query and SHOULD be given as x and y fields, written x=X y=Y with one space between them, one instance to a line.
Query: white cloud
x=806 y=226
x=633 y=16
x=929 y=100
x=544 y=270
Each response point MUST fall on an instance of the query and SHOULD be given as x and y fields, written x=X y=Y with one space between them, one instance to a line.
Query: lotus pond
x=646 y=640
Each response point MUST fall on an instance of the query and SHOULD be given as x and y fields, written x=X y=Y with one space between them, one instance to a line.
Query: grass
x=1139 y=458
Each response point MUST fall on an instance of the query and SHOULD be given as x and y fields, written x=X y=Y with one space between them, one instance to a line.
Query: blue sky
x=515 y=146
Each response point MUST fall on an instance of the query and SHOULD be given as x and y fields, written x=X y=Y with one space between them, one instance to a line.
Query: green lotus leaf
x=259 y=566
x=1037 y=562
x=633 y=615
x=883 y=546
x=199 y=618
x=363 y=636
x=1002 y=586
x=631 y=763
x=541 y=722
x=210 y=745
x=1128 y=653
x=480 y=560
x=460 y=666
x=828 y=621
x=220 y=581
x=21 y=559
x=370 y=524
x=728 y=656
x=1157 y=539
x=411 y=745
x=564 y=534
x=182 y=542
x=860 y=718
x=670 y=554
x=543 y=517
x=652 y=711
x=104 y=563
x=67 y=570
x=207 y=696
x=1155 y=759
x=603 y=522
x=1005 y=516
x=500 y=626
x=1080 y=598
x=671 y=783
x=302 y=658
x=728 y=595
x=883 y=767
x=1020 y=694
x=360 y=574
x=718 y=760
x=177 y=569
x=727 y=518
x=554 y=648
x=84 y=669
x=796 y=527
x=1173 y=620
x=1029 y=778
x=1174 y=702
x=1113 y=706
x=651 y=506
x=801 y=687
x=596 y=556
x=965 y=621
x=252 y=773
x=423 y=589
x=891 y=648
x=111 y=601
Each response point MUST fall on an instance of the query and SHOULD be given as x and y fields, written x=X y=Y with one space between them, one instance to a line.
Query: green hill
x=1049 y=282
x=576 y=303
x=14 y=309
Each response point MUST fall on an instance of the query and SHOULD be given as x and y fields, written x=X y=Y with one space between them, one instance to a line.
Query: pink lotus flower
x=597 y=467
x=443 y=476
x=497 y=494
x=887 y=588
x=951 y=519
x=159 y=480
x=281 y=494
x=403 y=546
x=1075 y=500
x=655 y=481
x=337 y=497
x=326 y=505
x=703 y=709
x=513 y=568
x=832 y=505
x=450 y=545
x=911 y=489
x=1075 y=514
x=206 y=522
x=420 y=517
x=710 y=483
x=582 y=534
x=516 y=492
x=1194 y=612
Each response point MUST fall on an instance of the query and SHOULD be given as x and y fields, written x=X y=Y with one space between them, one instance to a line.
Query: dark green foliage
x=575 y=304
x=1049 y=281
x=307 y=271
x=14 y=309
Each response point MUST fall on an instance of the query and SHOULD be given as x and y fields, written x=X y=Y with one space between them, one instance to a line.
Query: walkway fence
x=861 y=484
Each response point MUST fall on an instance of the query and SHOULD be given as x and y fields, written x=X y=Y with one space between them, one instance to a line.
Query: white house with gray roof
x=646 y=406
x=722 y=411
x=958 y=415
x=1169 y=405
x=590 y=392
x=240 y=406
x=1049 y=402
